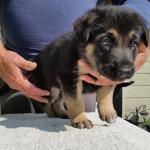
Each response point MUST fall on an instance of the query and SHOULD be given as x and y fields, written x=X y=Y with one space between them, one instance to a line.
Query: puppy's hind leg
x=75 y=108
x=59 y=108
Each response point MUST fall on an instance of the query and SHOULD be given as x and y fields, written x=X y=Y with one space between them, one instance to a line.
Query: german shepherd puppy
x=107 y=38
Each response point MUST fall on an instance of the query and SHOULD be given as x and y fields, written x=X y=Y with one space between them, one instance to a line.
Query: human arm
x=11 y=65
x=142 y=56
x=101 y=80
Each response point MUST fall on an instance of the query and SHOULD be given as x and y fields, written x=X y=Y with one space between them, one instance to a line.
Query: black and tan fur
x=107 y=38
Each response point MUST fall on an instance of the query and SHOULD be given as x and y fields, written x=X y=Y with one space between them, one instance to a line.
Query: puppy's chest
x=87 y=87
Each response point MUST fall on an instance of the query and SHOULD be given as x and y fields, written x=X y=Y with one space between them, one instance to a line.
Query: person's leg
x=90 y=102
x=13 y=102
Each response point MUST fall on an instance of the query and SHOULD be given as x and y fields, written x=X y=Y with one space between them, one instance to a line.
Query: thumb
x=25 y=64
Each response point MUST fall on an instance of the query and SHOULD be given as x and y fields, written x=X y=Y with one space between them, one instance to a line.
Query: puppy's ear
x=145 y=36
x=82 y=26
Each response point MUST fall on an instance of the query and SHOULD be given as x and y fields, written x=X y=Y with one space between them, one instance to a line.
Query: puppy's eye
x=133 y=44
x=105 y=42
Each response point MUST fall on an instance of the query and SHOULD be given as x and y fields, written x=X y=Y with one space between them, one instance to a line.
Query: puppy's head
x=111 y=36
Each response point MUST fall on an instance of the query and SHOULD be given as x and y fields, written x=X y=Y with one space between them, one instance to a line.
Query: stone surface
x=38 y=132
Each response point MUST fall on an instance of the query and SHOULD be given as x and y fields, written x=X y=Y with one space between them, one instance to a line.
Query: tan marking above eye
x=131 y=34
x=114 y=32
x=89 y=49
x=118 y=37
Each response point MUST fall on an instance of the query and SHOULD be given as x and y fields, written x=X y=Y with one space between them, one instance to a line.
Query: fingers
x=35 y=96
x=33 y=92
x=10 y=66
x=25 y=64
x=87 y=79
x=40 y=99
x=22 y=84
x=38 y=91
x=101 y=81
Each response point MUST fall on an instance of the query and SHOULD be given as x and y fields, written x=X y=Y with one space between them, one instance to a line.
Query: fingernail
x=34 y=62
x=97 y=83
x=47 y=93
x=45 y=101
x=80 y=63
x=82 y=78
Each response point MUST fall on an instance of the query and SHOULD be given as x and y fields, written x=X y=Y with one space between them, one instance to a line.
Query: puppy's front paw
x=107 y=114
x=82 y=123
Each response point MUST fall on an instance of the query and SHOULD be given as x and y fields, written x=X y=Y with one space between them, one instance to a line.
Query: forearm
x=141 y=58
x=2 y=49
x=1 y=41
x=1 y=44
x=142 y=55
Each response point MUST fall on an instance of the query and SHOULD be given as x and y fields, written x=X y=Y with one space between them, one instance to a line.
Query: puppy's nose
x=125 y=71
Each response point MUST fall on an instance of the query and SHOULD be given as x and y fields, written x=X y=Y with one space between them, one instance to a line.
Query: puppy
x=107 y=38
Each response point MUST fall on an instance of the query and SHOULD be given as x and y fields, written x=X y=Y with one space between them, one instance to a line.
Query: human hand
x=10 y=71
x=101 y=80
x=141 y=56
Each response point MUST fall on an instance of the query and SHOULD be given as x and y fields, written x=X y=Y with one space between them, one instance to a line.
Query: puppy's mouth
x=117 y=74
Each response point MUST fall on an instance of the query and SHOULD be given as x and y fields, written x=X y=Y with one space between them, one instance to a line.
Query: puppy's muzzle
x=118 y=71
x=125 y=71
